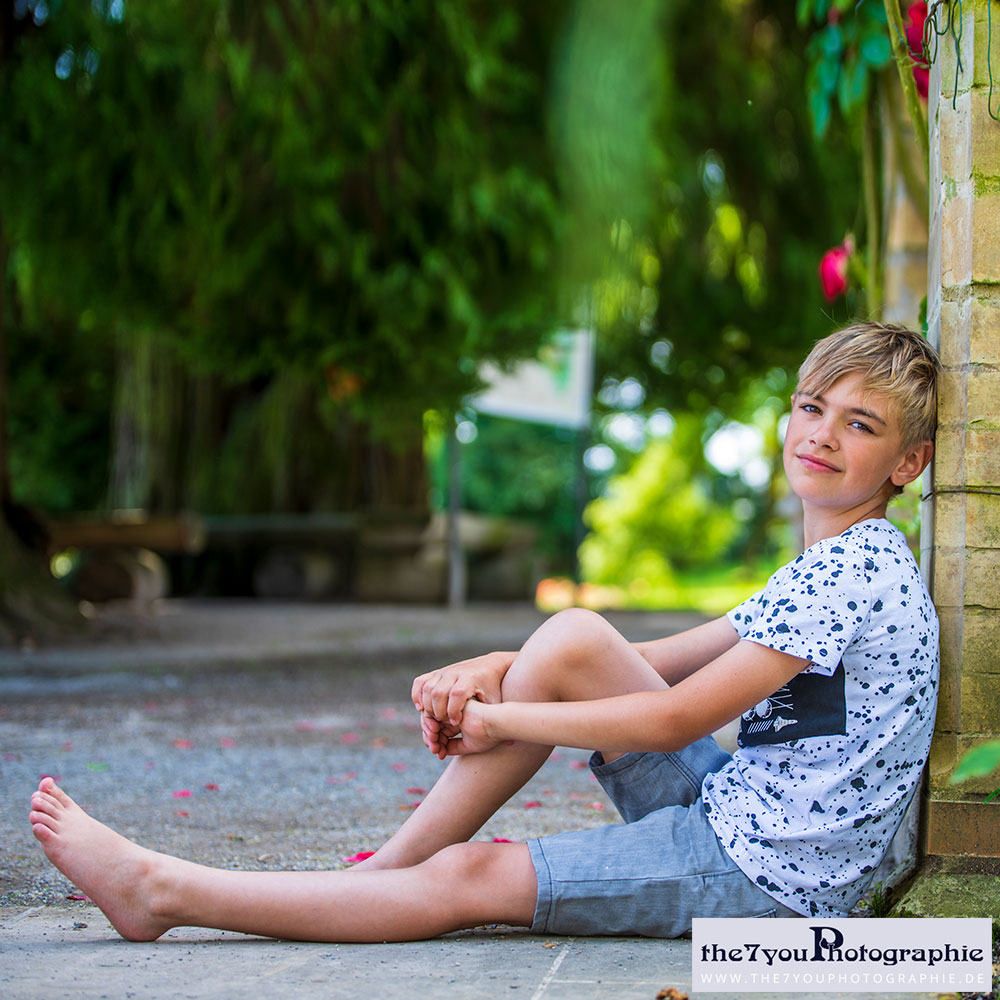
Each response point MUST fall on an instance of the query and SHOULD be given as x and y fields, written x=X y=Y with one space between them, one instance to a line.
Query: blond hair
x=893 y=361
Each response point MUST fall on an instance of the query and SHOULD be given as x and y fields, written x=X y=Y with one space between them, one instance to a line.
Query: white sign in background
x=895 y=954
x=555 y=389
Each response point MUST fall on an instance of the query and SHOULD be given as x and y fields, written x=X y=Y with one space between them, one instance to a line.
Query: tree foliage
x=289 y=185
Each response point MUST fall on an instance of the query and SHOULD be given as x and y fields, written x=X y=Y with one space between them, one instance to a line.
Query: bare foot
x=115 y=873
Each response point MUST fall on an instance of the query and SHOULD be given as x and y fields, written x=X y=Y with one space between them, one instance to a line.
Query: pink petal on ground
x=8 y=757
x=388 y=713
x=67 y=746
x=399 y=767
x=595 y=805
x=548 y=791
x=578 y=765
x=150 y=764
x=181 y=812
x=305 y=726
x=340 y=779
x=227 y=741
x=416 y=791
x=78 y=898
x=211 y=787
x=360 y=856
x=183 y=744
x=349 y=738
x=184 y=793
x=532 y=805
x=408 y=805
x=503 y=840
x=379 y=742
x=555 y=757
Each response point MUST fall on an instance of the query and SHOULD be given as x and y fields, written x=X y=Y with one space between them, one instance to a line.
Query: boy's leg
x=574 y=656
x=144 y=894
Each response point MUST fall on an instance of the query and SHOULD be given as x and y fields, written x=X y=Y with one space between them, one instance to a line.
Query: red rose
x=833 y=270
x=916 y=14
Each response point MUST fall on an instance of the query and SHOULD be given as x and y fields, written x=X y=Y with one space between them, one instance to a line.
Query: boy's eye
x=862 y=427
x=810 y=407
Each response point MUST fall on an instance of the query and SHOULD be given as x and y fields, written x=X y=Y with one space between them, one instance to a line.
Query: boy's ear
x=912 y=463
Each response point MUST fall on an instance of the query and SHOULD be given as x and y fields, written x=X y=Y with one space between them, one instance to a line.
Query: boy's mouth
x=818 y=464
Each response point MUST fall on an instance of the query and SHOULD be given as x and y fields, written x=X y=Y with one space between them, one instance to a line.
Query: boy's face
x=844 y=450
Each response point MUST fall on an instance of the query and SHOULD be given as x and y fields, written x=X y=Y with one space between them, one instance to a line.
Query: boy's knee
x=576 y=629
x=460 y=864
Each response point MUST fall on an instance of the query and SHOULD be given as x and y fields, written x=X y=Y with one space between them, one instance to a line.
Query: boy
x=833 y=668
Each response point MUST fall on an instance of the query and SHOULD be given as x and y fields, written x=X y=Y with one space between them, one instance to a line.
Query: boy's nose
x=823 y=437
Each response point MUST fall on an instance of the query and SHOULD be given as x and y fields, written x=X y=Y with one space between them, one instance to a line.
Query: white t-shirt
x=827 y=765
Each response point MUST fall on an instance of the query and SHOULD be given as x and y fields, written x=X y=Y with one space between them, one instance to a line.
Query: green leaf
x=819 y=107
x=876 y=50
x=832 y=40
x=978 y=762
x=853 y=86
x=827 y=75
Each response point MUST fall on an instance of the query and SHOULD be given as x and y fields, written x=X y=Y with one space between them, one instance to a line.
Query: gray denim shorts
x=653 y=873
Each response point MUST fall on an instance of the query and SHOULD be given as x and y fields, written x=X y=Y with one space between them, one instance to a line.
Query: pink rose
x=833 y=270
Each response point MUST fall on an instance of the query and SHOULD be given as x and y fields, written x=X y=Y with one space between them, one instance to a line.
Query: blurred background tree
x=248 y=246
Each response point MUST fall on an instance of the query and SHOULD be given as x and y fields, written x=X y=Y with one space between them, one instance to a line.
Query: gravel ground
x=205 y=748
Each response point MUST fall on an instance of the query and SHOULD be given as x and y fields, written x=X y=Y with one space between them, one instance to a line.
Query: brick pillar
x=961 y=551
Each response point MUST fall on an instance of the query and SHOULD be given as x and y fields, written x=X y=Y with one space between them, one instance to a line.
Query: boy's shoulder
x=870 y=549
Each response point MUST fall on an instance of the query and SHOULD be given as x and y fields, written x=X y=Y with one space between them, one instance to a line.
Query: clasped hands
x=452 y=702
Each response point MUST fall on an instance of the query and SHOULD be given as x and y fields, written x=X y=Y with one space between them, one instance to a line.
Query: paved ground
x=273 y=737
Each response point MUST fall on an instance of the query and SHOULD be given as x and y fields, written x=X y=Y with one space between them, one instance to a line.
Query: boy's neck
x=819 y=523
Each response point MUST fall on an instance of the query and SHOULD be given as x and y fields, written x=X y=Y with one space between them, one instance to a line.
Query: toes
x=44 y=803
x=41 y=827
x=58 y=794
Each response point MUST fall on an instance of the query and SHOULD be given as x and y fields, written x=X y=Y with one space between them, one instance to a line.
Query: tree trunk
x=32 y=606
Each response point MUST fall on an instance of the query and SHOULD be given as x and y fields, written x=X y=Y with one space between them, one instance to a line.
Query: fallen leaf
x=211 y=787
x=549 y=944
x=379 y=742
x=360 y=856
x=97 y=767
x=671 y=994
x=78 y=898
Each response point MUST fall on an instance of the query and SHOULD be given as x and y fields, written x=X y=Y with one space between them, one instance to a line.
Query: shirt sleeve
x=814 y=612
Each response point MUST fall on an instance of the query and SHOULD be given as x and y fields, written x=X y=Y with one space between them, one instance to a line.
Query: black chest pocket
x=808 y=705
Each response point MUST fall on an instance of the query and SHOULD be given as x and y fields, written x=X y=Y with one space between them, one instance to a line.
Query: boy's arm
x=678 y=656
x=667 y=721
